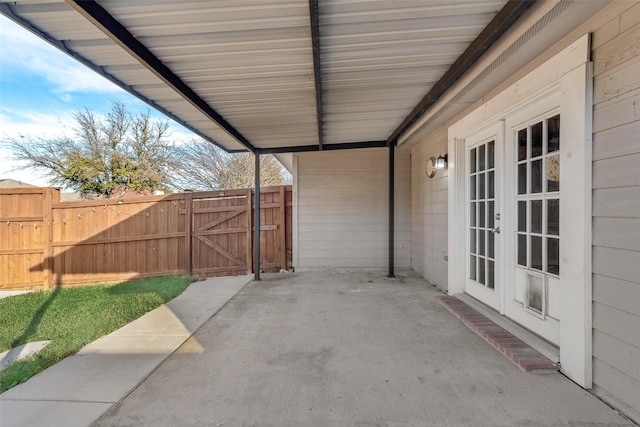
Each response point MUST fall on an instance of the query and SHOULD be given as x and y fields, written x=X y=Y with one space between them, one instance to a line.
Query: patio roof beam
x=315 y=41
x=326 y=147
x=498 y=25
x=119 y=33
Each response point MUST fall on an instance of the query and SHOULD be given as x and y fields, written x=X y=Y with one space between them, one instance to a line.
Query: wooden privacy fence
x=44 y=243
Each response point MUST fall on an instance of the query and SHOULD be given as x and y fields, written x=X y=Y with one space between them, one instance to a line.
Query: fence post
x=47 y=235
x=188 y=203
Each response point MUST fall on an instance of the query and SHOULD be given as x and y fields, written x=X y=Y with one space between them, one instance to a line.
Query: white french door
x=512 y=203
x=482 y=224
x=532 y=293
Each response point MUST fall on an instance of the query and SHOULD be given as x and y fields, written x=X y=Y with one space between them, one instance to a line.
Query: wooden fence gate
x=44 y=243
x=221 y=242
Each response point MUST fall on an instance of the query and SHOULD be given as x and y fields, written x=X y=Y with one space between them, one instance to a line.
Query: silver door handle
x=495 y=230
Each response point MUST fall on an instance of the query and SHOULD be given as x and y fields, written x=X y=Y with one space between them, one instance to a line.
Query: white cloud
x=11 y=169
x=35 y=124
x=15 y=124
x=180 y=134
x=21 y=49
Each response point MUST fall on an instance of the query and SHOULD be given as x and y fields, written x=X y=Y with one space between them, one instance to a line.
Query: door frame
x=568 y=75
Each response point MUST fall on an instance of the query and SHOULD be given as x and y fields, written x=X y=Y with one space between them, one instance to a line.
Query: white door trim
x=570 y=72
x=576 y=298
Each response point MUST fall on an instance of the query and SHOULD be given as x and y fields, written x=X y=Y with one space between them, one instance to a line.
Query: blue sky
x=41 y=88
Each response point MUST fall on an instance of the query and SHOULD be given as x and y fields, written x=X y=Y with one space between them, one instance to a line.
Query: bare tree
x=203 y=166
x=123 y=152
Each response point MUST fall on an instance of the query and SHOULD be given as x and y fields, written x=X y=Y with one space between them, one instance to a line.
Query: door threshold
x=517 y=351
x=544 y=347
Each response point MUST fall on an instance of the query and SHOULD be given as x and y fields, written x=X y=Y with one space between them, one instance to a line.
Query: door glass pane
x=522 y=178
x=490 y=274
x=472 y=241
x=472 y=214
x=522 y=216
x=472 y=187
x=522 y=250
x=481 y=163
x=481 y=234
x=536 y=216
x=490 y=185
x=472 y=268
x=490 y=154
x=481 y=270
x=536 y=176
x=553 y=217
x=522 y=144
x=553 y=173
x=536 y=140
x=481 y=214
x=472 y=160
x=553 y=255
x=536 y=252
x=553 y=134
x=481 y=186
x=490 y=215
x=491 y=245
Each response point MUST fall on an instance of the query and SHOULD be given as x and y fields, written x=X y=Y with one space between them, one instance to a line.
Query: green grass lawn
x=74 y=317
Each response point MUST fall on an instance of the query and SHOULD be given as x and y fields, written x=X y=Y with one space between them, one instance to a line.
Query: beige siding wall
x=342 y=209
x=429 y=211
x=616 y=208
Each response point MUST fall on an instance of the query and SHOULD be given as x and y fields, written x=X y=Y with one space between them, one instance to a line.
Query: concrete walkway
x=78 y=390
x=303 y=349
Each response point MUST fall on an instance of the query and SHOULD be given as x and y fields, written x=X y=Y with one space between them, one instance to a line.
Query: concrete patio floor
x=347 y=349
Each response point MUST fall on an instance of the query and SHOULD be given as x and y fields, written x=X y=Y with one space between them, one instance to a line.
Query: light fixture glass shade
x=441 y=162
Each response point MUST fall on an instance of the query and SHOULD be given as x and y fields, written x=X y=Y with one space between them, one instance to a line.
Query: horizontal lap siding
x=616 y=208
x=429 y=211
x=343 y=209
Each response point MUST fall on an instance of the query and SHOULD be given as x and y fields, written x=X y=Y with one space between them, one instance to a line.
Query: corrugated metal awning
x=252 y=74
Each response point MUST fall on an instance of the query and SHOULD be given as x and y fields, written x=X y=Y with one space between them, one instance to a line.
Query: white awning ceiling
x=252 y=62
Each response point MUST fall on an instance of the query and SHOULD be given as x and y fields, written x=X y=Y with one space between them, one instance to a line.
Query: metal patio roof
x=277 y=75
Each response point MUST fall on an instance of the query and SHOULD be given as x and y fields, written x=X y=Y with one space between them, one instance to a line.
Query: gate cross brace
x=223 y=219
x=220 y=249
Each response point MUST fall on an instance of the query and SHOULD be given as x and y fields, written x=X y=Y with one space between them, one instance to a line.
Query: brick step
x=516 y=350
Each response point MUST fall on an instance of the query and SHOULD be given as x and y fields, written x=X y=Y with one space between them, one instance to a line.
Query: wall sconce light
x=441 y=162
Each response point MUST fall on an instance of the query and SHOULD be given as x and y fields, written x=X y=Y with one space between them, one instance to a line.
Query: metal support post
x=256 y=222
x=392 y=147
